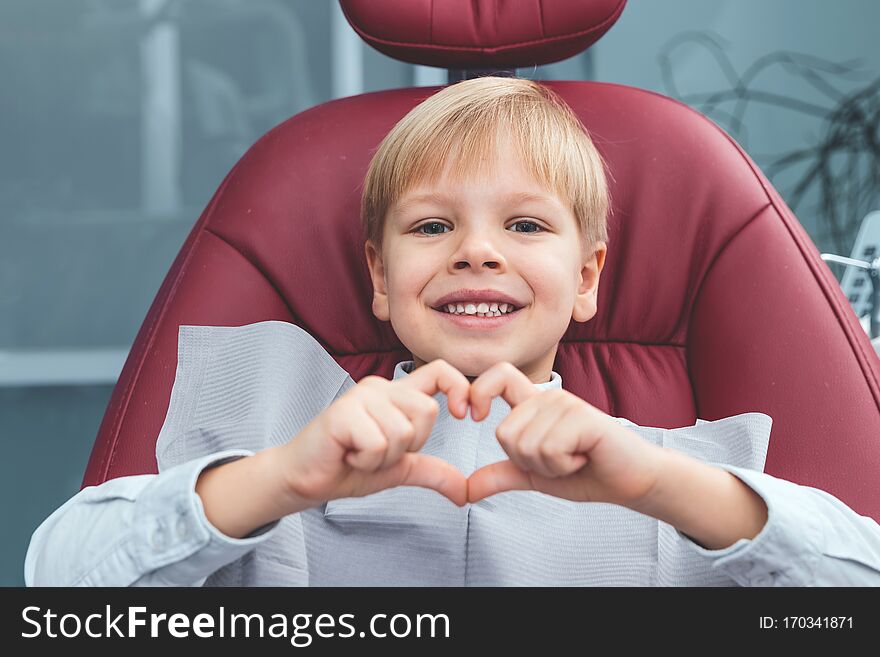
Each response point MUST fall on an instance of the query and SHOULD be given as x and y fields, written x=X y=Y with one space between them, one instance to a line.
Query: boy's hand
x=368 y=439
x=559 y=444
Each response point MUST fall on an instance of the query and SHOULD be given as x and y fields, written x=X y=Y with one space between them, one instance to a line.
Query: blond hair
x=468 y=116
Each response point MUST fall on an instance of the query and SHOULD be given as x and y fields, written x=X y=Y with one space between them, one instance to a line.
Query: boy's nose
x=491 y=264
x=477 y=251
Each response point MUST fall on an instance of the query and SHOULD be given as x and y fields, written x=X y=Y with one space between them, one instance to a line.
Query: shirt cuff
x=788 y=548
x=171 y=526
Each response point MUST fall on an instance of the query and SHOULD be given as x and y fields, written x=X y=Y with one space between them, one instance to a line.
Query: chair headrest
x=481 y=34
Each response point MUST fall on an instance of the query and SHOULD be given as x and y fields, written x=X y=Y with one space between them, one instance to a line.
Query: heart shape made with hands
x=549 y=437
x=556 y=442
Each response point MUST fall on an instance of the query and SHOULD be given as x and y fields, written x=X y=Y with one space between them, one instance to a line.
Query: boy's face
x=477 y=236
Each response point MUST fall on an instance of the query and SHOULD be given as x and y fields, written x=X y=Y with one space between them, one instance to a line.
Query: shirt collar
x=404 y=367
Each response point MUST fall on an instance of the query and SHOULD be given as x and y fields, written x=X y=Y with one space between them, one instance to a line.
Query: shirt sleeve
x=811 y=538
x=139 y=530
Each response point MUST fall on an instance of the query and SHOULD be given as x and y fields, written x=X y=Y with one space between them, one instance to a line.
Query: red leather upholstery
x=713 y=300
x=481 y=33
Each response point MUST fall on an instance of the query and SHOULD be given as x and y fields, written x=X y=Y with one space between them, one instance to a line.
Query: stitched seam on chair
x=637 y=342
x=258 y=268
x=541 y=17
x=517 y=44
x=151 y=334
x=479 y=49
x=720 y=252
x=369 y=352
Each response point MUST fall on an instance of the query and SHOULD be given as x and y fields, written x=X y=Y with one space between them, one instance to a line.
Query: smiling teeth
x=479 y=309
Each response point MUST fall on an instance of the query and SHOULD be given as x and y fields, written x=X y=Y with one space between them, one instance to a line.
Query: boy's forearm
x=708 y=504
x=246 y=494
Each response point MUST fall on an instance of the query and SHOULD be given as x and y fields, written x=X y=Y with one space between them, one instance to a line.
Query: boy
x=481 y=307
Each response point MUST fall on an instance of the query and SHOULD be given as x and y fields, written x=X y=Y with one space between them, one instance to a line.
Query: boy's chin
x=471 y=368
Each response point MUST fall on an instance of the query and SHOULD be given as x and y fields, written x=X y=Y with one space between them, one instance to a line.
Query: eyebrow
x=434 y=197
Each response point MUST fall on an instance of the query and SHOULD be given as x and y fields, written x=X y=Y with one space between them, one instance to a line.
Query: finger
x=438 y=375
x=509 y=432
x=365 y=439
x=510 y=429
x=431 y=472
x=420 y=409
x=536 y=445
x=496 y=478
x=501 y=380
x=561 y=450
x=397 y=428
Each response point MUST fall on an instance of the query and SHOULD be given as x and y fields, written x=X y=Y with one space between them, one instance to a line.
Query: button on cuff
x=166 y=514
x=181 y=528
x=158 y=538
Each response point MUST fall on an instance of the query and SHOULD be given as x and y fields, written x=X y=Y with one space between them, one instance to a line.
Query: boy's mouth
x=478 y=320
x=478 y=309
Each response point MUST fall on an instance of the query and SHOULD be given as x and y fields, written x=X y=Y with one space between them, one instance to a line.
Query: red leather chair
x=713 y=300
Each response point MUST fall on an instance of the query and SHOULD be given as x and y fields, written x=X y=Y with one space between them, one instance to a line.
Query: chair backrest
x=713 y=300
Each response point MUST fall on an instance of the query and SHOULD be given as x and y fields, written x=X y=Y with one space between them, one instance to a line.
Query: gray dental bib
x=258 y=385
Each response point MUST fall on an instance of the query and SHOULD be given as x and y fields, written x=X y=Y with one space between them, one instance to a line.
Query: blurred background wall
x=119 y=118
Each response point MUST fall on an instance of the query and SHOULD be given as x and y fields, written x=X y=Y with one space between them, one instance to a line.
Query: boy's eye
x=531 y=223
x=435 y=224
x=430 y=223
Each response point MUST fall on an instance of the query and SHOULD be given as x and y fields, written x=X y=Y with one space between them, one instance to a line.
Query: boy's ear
x=377 y=275
x=586 y=302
